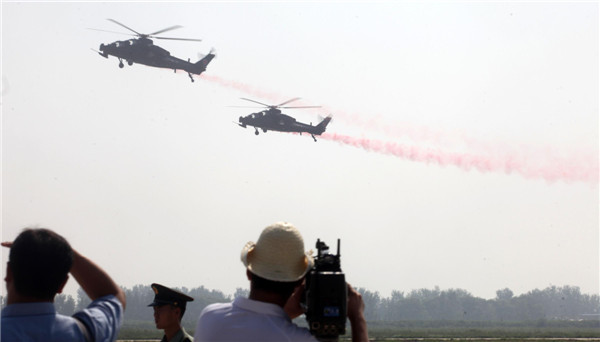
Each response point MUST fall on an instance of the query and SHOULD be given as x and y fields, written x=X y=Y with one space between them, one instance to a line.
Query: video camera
x=326 y=295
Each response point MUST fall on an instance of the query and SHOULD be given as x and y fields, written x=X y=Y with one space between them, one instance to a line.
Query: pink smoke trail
x=529 y=162
x=572 y=169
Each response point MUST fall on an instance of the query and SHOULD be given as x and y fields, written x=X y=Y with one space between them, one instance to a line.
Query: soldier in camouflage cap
x=169 y=307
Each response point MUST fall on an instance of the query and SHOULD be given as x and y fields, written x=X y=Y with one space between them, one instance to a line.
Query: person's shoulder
x=186 y=337
x=110 y=305
x=103 y=317
x=216 y=307
x=109 y=300
x=298 y=333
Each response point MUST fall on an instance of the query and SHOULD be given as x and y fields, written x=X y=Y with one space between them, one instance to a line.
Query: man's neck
x=171 y=331
x=15 y=298
x=267 y=297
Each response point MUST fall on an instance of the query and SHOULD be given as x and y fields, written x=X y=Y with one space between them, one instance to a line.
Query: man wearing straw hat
x=275 y=265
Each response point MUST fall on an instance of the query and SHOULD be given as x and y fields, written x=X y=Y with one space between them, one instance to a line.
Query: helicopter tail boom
x=200 y=66
x=320 y=128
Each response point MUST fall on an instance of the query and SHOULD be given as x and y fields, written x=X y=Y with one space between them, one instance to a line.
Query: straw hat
x=278 y=255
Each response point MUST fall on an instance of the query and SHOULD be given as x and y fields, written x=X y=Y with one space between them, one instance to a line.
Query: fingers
x=353 y=293
x=356 y=308
x=356 y=305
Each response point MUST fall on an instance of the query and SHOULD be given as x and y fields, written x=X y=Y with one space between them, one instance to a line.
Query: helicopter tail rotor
x=322 y=125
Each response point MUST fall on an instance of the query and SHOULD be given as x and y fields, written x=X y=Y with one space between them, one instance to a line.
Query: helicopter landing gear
x=256 y=131
x=191 y=78
x=121 y=65
x=315 y=139
x=130 y=63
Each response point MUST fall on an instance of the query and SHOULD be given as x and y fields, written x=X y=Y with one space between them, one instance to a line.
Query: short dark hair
x=283 y=288
x=40 y=261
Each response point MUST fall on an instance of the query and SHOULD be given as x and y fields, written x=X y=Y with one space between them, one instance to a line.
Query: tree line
x=553 y=302
x=561 y=303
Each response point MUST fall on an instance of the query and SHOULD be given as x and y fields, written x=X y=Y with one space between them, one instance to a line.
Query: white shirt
x=248 y=320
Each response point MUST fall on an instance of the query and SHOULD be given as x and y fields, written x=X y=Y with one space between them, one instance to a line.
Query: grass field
x=430 y=331
x=449 y=339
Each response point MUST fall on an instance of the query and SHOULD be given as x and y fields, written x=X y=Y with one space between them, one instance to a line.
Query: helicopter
x=142 y=50
x=273 y=119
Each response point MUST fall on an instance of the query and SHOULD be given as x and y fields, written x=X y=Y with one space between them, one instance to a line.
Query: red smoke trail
x=566 y=169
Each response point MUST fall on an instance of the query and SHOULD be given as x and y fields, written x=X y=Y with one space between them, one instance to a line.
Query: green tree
x=64 y=304
x=82 y=300
x=372 y=302
x=240 y=292
x=504 y=294
x=392 y=306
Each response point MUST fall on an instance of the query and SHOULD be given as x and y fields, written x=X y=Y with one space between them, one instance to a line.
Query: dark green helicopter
x=274 y=120
x=142 y=50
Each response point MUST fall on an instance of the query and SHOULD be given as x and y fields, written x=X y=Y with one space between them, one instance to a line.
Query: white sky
x=146 y=173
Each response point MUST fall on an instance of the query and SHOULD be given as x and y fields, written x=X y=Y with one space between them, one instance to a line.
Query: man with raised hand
x=37 y=270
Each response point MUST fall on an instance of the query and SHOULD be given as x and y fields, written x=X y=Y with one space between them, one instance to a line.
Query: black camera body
x=326 y=295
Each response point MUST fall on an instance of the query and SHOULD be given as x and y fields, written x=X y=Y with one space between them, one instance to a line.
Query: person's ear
x=8 y=277
x=248 y=274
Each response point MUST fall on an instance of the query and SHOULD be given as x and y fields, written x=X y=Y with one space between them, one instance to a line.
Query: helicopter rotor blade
x=243 y=98
x=186 y=39
x=167 y=29
x=300 y=107
x=288 y=101
x=130 y=29
x=95 y=29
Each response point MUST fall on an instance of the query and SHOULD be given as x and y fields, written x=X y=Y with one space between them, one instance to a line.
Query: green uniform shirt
x=181 y=336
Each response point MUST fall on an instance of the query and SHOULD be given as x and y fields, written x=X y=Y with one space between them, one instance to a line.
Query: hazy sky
x=463 y=151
